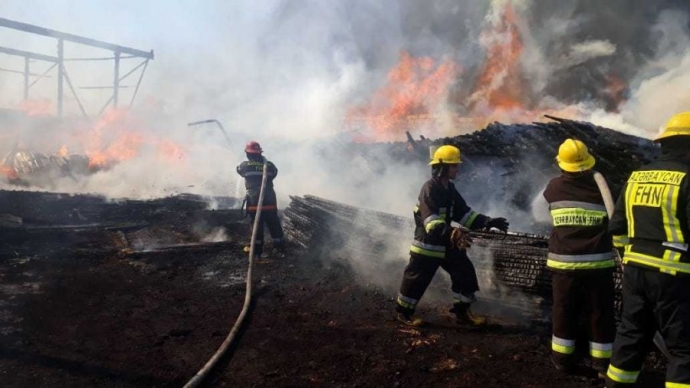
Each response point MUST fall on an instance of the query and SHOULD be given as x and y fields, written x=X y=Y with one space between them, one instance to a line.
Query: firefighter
x=252 y=172
x=438 y=244
x=581 y=260
x=652 y=222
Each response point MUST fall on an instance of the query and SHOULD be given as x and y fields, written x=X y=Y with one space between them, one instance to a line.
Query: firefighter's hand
x=498 y=223
x=460 y=238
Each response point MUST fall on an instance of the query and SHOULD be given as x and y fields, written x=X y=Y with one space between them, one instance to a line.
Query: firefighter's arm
x=618 y=224
x=272 y=170
x=465 y=216
x=240 y=169
x=686 y=198
x=435 y=225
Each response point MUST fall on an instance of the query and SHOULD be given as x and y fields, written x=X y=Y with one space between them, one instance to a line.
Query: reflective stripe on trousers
x=600 y=350
x=561 y=345
x=408 y=303
x=437 y=251
x=622 y=376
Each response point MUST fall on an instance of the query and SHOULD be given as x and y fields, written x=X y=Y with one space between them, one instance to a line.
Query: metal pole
x=61 y=70
x=43 y=75
x=116 y=79
x=26 y=78
x=74 y=93
x=141 y=76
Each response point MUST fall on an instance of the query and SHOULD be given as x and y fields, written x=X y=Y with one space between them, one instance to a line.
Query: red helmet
x=253 y=148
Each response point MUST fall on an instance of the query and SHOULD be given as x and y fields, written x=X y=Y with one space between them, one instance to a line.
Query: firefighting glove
x=498 y=223
x=460 y=238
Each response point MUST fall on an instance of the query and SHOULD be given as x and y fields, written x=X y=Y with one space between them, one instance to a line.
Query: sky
x=187 y=35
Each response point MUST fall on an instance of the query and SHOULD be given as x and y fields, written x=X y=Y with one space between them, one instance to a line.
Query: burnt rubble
x=24 y=168
x=511 y=164
x=34 y=223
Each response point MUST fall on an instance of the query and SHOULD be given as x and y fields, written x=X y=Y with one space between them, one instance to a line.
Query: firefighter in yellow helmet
x=438 y=244
x=581 y=260
x=652 y=223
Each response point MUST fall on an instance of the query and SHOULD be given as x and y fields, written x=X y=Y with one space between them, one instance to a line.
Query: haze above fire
x=291 y=71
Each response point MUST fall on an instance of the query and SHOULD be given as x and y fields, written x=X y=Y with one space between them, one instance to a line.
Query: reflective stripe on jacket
x=580 y=239
x=437 y=207
x=652 y=217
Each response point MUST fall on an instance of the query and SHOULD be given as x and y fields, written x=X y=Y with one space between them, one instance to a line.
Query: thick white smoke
x=286 y=73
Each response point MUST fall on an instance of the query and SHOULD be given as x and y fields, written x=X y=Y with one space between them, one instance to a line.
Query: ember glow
x=113 y=139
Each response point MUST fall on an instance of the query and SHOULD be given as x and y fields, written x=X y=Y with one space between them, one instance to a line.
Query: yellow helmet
x=678 y=125
x=447 y=154
x=573 y=156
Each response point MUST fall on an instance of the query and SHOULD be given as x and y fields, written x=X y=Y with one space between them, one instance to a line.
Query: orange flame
x=112 y=139
x=615 y=91
x=501 y=84
x=9 y=172
x=63 y=152
x=169 y=150
x=416 y=86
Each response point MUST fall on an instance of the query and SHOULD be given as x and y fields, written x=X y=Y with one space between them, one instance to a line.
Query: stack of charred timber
x=512 y=162
x=511 y=266
x=27 y=167
x=33 y=223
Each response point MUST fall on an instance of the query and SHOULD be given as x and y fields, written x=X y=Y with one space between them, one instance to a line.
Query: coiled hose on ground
x=203 y=372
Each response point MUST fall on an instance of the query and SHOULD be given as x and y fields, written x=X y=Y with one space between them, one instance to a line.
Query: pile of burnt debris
x=42 y=222
x=511 y=164
x=511 y=267
x=24 y=167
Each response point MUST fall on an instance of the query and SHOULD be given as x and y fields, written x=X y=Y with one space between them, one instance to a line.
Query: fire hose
x=203 y=372
x=609 y=204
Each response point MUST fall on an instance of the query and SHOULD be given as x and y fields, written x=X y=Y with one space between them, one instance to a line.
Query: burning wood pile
x=511 y=164
x=25 y=167
x=511 y=267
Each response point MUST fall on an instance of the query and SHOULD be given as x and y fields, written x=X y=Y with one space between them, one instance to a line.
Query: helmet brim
x=435 y=162
x=671 y=133
x=584 y=165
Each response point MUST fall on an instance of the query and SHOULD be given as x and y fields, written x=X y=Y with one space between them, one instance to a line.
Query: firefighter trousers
x=421 y=270
x=652 y=301
x=578 y=292
x=268 y=218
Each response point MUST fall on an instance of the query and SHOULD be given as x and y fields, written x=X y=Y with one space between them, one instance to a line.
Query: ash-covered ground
x=143 y=298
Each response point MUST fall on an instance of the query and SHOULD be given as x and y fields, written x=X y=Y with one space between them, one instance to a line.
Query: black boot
x=407 y=317
x=279 y=250
x=465 y=317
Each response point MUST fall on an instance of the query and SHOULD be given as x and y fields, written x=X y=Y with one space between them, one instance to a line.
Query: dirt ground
x=152 y=319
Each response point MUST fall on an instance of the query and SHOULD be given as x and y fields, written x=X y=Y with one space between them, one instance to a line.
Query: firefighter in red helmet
x=252 y=172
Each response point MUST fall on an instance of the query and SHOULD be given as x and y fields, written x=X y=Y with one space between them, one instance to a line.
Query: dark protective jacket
x=437 y=206
x=580 y=239
x=252 y=172
x=652 y=217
